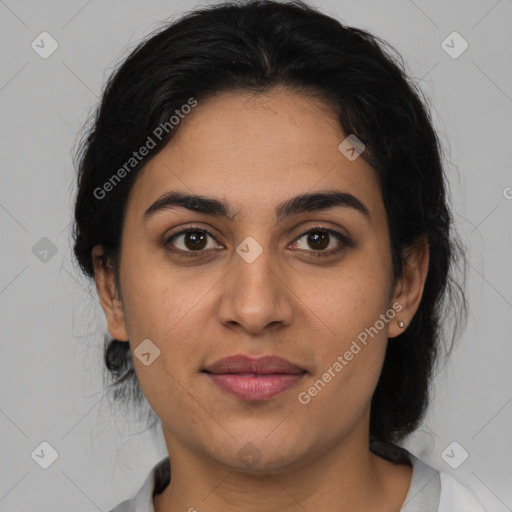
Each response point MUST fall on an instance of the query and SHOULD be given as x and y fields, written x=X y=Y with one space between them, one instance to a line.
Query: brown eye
x=191 y=240
x=194 y=240
x=323 y=242
x=318 y=239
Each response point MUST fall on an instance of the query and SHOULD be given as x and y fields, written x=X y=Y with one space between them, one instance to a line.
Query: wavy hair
x=255 y=46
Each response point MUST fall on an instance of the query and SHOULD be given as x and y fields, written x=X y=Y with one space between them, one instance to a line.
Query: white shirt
x=430 y=490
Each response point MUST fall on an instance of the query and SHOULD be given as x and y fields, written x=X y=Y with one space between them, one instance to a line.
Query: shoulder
x=125 y=506
x=157 y=479
x=430 y=489
x=455 y=496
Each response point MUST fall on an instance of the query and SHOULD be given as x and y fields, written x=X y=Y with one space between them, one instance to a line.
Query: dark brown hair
x=255 y=46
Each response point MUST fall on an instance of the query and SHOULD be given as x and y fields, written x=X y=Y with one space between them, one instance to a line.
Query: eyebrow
x=307 y=202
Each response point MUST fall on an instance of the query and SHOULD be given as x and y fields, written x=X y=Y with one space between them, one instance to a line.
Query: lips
x=261 y=366
x=254 y=379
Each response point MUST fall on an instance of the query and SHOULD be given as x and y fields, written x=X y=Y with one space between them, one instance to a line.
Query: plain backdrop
x=51 y=323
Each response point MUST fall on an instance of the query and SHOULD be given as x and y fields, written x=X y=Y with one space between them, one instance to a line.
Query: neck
x=347 y=478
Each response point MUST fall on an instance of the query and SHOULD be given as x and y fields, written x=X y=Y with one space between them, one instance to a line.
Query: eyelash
x=345 y=241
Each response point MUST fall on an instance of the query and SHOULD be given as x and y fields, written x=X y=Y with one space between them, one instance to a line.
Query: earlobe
x=409 y=287
x=108 y=294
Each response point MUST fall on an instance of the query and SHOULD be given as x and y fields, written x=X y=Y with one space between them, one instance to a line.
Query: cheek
x=156 y=295
x=349 y=305
x=171 y=308
x=167 y=309
x=351 y=298
x=349 y=356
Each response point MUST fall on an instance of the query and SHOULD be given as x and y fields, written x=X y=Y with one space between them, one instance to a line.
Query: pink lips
x=254 y=379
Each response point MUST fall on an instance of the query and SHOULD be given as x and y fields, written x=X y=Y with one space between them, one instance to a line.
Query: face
x=308 y=282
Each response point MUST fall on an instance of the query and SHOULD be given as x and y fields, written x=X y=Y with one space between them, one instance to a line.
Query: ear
x=108 y=294
x=409 y=287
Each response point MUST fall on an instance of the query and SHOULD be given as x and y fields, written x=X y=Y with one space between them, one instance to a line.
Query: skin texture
x=256 y=151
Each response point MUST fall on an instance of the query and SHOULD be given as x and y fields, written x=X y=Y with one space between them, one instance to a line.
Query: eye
x=189 y=241
x=321 y=238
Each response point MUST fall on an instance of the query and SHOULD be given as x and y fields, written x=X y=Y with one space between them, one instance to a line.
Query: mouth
x=254 y=379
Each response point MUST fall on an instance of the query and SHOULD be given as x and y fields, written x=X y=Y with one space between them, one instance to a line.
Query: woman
x=261 y=202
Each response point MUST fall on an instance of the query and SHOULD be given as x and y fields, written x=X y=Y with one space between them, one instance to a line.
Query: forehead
x=255 y=151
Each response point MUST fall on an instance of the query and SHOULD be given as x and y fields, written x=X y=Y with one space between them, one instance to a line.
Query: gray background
x=52 y=324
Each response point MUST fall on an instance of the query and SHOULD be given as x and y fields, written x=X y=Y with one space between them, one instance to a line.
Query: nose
x=256 y=296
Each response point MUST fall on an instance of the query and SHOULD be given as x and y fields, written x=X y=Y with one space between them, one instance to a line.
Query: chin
x=262 y=455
